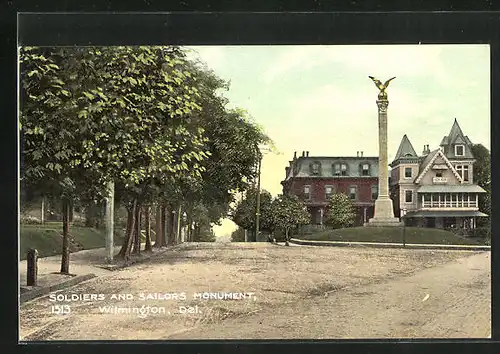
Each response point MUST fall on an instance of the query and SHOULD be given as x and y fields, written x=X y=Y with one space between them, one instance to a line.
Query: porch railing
x=450 y=204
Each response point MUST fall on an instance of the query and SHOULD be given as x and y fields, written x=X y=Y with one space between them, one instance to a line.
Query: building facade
x=436 y=189
x=314 y=179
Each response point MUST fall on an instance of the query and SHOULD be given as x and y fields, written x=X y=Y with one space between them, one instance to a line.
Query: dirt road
x=299 y=292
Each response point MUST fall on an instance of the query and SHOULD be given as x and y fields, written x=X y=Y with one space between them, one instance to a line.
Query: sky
x=320 y=99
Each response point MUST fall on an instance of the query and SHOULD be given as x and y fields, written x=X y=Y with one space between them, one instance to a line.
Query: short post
x=404 y=228
x=32 y=273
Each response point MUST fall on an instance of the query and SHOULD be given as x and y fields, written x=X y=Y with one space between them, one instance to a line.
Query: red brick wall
x=339 y=184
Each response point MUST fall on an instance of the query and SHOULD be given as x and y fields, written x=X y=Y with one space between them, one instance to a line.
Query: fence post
x=32 y=273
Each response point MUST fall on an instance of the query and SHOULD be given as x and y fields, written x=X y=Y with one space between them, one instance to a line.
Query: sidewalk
x=391 y=245
x=83 y=265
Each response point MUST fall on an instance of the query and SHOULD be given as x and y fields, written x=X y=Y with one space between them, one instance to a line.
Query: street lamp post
x=404 y=227
x=257 y=210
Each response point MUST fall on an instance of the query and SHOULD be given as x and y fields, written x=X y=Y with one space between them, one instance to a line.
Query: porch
x=443 y=219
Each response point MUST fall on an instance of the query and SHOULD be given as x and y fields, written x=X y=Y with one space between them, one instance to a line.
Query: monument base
x=384 y=222
x=384 y=214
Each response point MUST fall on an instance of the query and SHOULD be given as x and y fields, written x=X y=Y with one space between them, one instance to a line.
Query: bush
x=483 y=232
x=30 y=220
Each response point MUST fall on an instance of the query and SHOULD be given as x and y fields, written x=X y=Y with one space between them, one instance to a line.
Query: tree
x=238 y=235
x=288 y=213
x=114 y=112
x=244 y=214
x=482 y=177
x=340 y=211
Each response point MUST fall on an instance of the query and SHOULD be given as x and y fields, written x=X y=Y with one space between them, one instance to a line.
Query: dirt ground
x=299 y=292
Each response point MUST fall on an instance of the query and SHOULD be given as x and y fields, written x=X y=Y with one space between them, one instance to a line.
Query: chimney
x=294 y=155
x=361 y=154
x=303 y=153
x=287 y=171
x=357 y=153
x=307 y=153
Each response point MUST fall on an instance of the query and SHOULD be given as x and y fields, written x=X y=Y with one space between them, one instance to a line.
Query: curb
x=390 y=245
x=32 y=294
x=144 y=257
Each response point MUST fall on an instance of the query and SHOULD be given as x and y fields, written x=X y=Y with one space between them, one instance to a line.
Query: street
x=298 y=292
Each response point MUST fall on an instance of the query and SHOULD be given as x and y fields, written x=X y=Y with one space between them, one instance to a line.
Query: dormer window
x=340 y=169
x=343 y=169
x=365 y=169
x=459 y=150
x=336 y=169
x=315 y=168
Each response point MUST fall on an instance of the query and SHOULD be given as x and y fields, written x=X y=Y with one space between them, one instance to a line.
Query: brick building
x=315 y=178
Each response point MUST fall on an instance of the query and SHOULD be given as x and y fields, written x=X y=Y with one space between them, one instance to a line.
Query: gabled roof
x=405 y=149
x=456 y=136
x=455 y=132
x=429 y=160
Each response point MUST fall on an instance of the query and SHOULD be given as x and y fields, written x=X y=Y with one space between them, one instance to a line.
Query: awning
x=457 y=188
x=444 y=214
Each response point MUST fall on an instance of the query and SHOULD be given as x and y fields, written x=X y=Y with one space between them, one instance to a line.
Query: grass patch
x=47 y=239
x=417 y=235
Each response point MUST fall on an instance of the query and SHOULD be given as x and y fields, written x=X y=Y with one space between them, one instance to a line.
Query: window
x=463 y=171
x=374 y=192
x=459 y=150
x=427 y=197
x=307 y=192
x=407 y=172
x=328 y=192
x=466 y=173
x=439 y=174
x=343 y=169
x=336 y=169
x=365 y=169
x=408 y=196
x=315 y=168
x=352 y=193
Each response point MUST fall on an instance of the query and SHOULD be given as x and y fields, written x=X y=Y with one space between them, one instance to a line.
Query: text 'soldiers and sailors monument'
x=384 y=212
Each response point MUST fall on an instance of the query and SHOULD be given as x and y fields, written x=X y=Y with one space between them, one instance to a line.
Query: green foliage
x=417 y=235
x=238 y=235
x=244 y=214
x=289 y=212
x=482 y=177
x=144 y=117
x=340 y=212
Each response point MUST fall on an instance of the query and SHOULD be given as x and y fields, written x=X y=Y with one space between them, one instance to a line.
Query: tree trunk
x=158 y=230
x=71 y=211
x=127 y=242
x=137 y=230
x=170 y=228
x=286 y=237
x=65 y=242
x=147 y=226
x=42 y=218
x=163 y=225
x=189 y=227
x=178 y=231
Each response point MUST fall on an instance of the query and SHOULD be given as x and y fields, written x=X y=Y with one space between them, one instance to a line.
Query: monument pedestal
x=384 y=214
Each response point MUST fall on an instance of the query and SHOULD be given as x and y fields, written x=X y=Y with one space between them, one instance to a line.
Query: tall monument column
x=384 y=212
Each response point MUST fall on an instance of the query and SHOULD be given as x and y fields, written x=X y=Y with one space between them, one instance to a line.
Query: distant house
x=437 y=188
x=314 y=179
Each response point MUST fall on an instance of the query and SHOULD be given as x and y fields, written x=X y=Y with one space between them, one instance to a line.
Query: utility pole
x=257 y=212
x=110 y=201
